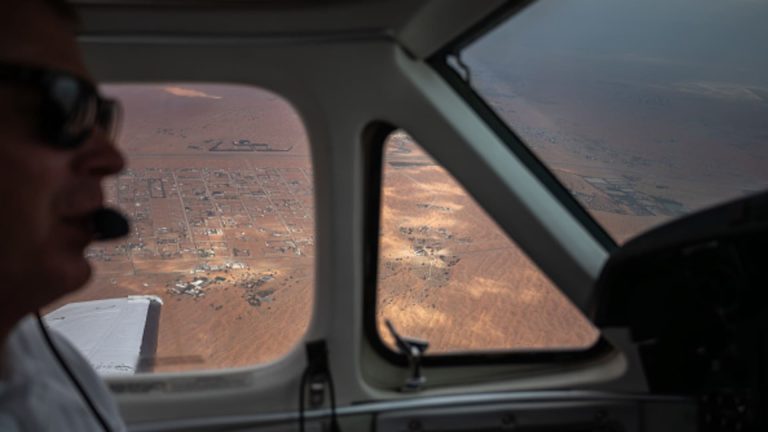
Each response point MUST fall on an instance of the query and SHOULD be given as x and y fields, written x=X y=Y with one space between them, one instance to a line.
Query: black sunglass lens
x=76 y=108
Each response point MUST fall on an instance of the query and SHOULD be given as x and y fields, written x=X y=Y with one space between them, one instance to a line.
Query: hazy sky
x=726 y=38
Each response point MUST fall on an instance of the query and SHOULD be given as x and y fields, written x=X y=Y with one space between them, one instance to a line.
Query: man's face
x=46 y=194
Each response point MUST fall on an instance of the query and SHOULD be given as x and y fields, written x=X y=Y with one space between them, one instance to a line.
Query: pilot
x=55 y=151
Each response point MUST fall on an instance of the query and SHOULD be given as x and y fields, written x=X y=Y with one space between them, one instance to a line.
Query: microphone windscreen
x=109 y=224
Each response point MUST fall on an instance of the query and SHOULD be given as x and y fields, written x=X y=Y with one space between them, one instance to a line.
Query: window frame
x=374 y=138
x=128 y=382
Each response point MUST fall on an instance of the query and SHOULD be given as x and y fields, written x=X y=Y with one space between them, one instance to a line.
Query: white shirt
x=37 y=395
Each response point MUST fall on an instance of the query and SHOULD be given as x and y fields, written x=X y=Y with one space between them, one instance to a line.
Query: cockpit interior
x=432 y=215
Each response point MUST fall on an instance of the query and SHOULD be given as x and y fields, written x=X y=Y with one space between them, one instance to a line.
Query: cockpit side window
x=448 y=275
x=219 y=189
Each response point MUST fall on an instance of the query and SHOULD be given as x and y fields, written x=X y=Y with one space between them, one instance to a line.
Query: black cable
x=83 y=394
x=302 y=390
x=302 y=394
x=317 y=372
x=334 y=420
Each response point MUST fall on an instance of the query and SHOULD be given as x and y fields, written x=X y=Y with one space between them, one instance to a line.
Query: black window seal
x=373 y=139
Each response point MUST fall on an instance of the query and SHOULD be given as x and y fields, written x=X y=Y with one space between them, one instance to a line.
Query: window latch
x=413 y=350
x=455 y=60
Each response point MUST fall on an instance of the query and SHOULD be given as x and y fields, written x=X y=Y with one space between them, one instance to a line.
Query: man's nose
x=98 y=156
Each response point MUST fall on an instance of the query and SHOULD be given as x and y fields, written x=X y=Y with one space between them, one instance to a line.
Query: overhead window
x=219 y=190
x=645 y=111
x=447 y=274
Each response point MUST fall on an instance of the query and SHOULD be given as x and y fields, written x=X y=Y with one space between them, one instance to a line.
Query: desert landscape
x=449 y=275
x=638 y=140
x=219 y=191
x=219 y=188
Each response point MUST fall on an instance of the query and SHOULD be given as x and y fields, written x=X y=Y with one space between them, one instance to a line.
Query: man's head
x=47 y=190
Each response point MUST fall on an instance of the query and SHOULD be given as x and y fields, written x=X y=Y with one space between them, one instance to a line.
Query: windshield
x=645 y=111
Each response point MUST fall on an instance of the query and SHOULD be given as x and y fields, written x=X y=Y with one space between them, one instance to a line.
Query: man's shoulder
x=37 y=384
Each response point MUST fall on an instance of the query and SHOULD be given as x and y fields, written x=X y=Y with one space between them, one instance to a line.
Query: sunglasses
x=71 y=107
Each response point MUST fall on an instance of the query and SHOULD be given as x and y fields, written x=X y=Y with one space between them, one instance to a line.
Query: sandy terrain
x=219 y=188
x=449 y=275
x=637 y=143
